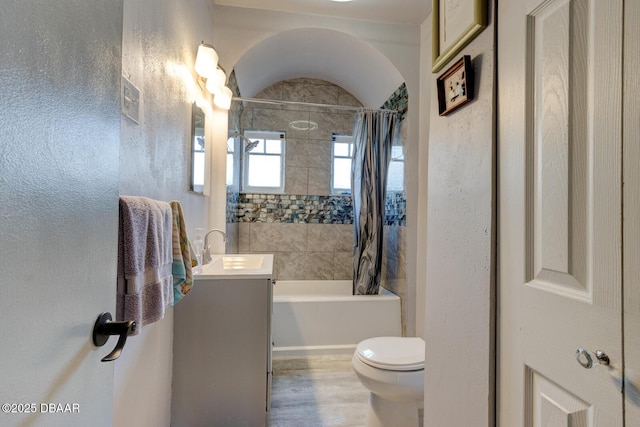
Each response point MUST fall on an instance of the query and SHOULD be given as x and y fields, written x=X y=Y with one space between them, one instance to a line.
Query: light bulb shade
x=216 y=82
x=206 y=61
x=223 y=99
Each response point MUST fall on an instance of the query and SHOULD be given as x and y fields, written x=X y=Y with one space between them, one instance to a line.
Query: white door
x=560 y=244
x=631 y=197
x=59 y=146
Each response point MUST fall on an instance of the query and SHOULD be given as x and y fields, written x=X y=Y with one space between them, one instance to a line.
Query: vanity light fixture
x=216 y=82
x=212 y=75
x=223 y=99
x=206 y=60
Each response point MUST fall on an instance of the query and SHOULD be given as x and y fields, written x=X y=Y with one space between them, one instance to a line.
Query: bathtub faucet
x=206 y=256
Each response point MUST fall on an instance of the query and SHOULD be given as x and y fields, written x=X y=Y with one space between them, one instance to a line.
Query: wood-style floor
x=317 y=391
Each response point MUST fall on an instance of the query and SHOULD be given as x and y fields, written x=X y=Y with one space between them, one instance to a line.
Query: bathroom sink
x=237 y=266
x=238 y=262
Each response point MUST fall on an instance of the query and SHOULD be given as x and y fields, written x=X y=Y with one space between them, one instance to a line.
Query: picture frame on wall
x=455 y=86
x=455 y=24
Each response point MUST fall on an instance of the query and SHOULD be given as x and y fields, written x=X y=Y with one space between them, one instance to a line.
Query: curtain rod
x=309 y=104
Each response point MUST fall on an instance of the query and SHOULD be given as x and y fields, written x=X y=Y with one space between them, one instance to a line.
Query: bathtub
x=323 y=317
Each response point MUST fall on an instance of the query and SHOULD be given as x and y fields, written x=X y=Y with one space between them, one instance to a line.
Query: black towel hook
x=104 y=328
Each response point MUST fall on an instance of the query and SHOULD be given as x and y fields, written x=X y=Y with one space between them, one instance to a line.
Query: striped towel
x=144 y=260
x=184 y=257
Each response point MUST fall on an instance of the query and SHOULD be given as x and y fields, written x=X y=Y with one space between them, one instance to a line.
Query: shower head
x=250 y=144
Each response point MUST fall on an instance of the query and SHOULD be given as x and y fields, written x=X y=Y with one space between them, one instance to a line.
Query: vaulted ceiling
x=296 y=53
x=395 y=11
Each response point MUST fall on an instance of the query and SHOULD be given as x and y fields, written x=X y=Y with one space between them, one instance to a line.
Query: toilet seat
x=392 y=353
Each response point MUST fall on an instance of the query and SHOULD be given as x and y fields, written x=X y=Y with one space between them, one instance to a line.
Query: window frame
x=342 y=139
x=246 y=160
x=233 y=169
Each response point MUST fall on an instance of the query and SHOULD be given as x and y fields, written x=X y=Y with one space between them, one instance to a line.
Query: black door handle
x=104 y=328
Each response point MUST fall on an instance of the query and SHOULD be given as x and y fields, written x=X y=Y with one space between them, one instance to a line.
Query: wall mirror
x=196 y=183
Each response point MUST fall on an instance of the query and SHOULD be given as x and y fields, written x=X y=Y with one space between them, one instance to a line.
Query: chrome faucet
x=206 y=256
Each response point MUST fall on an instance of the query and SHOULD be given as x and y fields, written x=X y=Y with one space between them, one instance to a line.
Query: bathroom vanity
x=222 y=345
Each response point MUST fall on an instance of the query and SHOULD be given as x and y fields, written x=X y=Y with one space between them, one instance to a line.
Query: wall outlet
x=130 y=100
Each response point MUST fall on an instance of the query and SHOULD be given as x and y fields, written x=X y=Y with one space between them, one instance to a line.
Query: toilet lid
x=392 y=353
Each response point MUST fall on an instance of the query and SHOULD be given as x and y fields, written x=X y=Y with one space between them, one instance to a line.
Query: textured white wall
x=459 y=268
x=160 y=39
x=420 y=175
x=59 y=132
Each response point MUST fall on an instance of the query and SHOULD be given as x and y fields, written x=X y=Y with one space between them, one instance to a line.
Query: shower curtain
x=373 y=136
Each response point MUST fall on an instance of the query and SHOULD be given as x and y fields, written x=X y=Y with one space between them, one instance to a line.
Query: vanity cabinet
x=222 y=353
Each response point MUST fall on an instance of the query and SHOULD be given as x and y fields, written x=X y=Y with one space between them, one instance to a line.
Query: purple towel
x=145 y=283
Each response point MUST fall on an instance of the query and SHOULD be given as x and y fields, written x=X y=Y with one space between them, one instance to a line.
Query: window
x=395 y=176
x=264 y=162
x=341 y=154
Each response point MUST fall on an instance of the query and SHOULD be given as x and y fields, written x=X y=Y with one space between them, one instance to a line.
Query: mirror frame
x=196 y=113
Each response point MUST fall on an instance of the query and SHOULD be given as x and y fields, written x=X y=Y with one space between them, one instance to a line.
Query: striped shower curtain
x=373 y=136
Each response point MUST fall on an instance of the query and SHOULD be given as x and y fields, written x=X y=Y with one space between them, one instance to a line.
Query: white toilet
x=392 y=369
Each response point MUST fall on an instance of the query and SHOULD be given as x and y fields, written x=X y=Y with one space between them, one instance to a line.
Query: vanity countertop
x=236 y=266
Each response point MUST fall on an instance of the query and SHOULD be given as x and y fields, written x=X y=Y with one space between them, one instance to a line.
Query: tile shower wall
x=233 y=191
x=320 y=244
x=310 y=231
x=394 y=271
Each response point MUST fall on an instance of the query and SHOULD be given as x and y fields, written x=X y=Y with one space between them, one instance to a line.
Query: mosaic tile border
x=395 y=208
x=399 y=101
x=245 y=207
x=294 y=209
x=232 y=207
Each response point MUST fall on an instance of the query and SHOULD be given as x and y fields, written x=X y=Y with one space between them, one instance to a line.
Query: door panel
x=560 y=212
x=60 y=68
x=557 y=155
x=549 y=405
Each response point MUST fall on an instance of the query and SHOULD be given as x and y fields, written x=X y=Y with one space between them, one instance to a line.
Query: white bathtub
x=323 y=317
